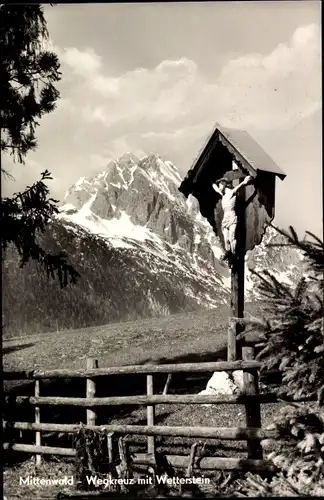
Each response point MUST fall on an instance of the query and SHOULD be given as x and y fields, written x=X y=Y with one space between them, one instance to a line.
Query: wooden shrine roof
x=244 y=149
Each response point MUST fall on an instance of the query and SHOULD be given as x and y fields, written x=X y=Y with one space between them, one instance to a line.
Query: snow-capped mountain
x=135 y=206
x=137 y=201
x=142 y=249
x=285 y=263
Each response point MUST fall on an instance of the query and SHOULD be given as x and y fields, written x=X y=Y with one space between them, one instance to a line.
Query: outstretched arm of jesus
x=247 y=180
x=215 y=187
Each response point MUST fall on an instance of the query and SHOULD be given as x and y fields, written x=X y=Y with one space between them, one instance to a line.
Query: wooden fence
x=250 y=398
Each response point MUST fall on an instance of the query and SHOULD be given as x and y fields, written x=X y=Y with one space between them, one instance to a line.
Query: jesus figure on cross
x=229 y=223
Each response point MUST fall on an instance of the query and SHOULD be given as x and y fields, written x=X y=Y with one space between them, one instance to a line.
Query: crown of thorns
x=225 y=181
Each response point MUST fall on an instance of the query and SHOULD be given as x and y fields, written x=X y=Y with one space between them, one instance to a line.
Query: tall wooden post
x=91 y=391
x=252 y=410
x=250 y=379
x=37 y=421
x=150 y=415
x=237 y=277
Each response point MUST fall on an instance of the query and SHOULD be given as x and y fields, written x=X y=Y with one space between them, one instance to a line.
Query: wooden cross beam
x=237 y=273
x=253 y=416
x=232 y=175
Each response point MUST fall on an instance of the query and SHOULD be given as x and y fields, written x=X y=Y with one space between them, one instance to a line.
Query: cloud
x=84 y=63
x=169 y=108
x=275 y=90
x=255 y=91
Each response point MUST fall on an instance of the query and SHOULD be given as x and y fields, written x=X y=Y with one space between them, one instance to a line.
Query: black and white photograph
x=162 y=249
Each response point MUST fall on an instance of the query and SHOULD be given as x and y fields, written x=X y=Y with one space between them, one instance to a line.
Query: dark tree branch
x=24 y=63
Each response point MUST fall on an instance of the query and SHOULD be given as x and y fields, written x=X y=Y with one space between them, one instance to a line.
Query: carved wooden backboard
x=259 y=209
x=221 y=159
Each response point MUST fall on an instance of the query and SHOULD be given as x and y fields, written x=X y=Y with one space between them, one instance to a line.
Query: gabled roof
x=251 y=151
x=244 y=148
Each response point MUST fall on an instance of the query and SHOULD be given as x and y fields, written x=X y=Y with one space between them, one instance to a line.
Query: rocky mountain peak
x=128 y=158
x=145 y=193
x=142 y=249
x=135 y=203
x=284 y=262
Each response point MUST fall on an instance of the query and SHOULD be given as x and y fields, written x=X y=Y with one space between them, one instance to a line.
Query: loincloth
x=229 y=220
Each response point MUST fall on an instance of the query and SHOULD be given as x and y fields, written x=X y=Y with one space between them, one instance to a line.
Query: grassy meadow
x=180 y=338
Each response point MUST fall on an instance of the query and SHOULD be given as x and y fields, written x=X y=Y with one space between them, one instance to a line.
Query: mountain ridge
x=142 y=250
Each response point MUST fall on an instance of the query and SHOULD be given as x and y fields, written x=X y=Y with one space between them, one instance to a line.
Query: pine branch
x=23 y=31
x=293 y=323
x=23 y=218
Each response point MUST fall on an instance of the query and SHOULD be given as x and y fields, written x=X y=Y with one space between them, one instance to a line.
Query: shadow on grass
x=125 y=385
x=10 y=349
x=191 y=383
x=220 y=354
x=121 y=385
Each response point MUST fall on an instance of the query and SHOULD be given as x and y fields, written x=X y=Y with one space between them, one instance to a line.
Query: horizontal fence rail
x=250 y=399
x=44 y=450
x=217 y=366
x=177 y=461
x=142 y=400
x=213 y=463
x=227 y=433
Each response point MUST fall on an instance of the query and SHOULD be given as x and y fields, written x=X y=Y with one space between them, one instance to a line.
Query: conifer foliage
x=24 y=216
x=293 y=323
x=293 y=326
x=28 y=73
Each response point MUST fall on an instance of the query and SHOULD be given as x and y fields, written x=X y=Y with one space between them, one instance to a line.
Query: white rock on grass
x=222 y=384
x=238 y=379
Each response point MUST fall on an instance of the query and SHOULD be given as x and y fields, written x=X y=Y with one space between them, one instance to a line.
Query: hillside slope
x=141 y=248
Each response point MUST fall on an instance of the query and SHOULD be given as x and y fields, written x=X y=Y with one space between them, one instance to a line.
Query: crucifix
x=219 y=181
x=231 y=188
x=229 y=200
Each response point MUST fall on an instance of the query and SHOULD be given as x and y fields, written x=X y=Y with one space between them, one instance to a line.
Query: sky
x=156 y=77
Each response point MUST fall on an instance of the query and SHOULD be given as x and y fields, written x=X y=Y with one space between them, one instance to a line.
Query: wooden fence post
x=167 y=384
x=37 y=421
x=231 y=340
x=91 y=391
x=237 y=277
x=111 y=459
x=150 y=415
x=253 y=410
